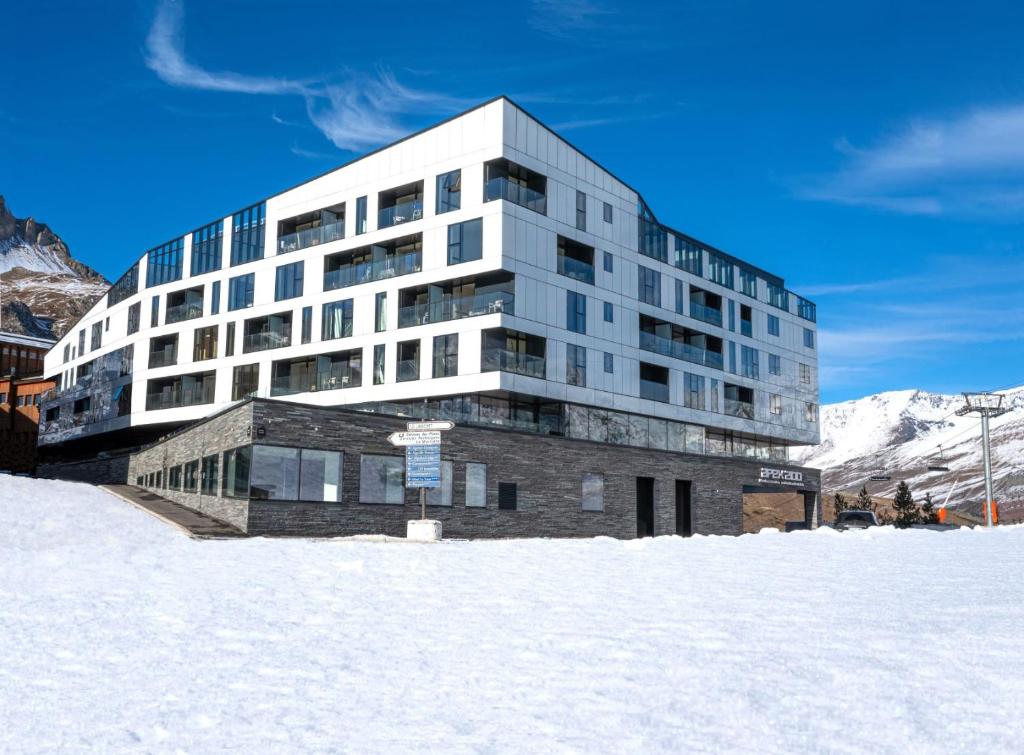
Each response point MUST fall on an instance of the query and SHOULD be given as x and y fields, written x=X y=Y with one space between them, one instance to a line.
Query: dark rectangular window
x=245 y=381
x=248 y=234
x=288 y=281
x=609 y=312
x=380 y=312
x=749 y=362
x=81 y=333
x=581 y=211
x=378 y=364
x=774 y=364
x=204 y=343
x=408 y=367
x=576 y=312
x=650 y=286
x=154 y=313
x=337 y=320
x=689 y=256
x=773 y=325
x=163 y=264
x=361 y=215
x=134 y=316
x=97 y=336
x=778 y=296
x=465 y=241
x=240 y=291
x=808 y=338
x=653 y=238
x=609 y=362
x=307 y=324
x=229 y=340
x=191 y=476
x=207 y=243
x=607 y=213
x=748 y=282
x=576 y=365
x=608 y=262
x=446 y=355
x=237 y=463
x=127 y=285
x=210 y=474
x=215 y=298
x=449 y=191
x=507 y=496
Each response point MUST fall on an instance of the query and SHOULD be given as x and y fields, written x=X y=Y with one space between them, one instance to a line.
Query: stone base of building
x=531 y=485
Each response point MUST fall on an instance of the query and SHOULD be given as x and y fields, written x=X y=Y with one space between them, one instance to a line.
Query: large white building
x=483 y=269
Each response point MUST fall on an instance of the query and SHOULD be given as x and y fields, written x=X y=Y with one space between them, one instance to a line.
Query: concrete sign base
x=423 y=530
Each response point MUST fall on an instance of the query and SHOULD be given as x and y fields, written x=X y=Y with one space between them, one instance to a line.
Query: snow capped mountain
x=901 y=433
x=43 y=289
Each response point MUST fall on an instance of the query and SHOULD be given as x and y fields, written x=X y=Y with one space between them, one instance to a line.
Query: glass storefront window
x=320 y=475
x=476 y=485
x=442 y=496
x=381 y=479
x=275 y=473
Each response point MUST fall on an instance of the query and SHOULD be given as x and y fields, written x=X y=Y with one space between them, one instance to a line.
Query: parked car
x=855 y=519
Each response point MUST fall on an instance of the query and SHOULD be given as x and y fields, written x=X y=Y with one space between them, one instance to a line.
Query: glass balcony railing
x=400 y=213
x=736 y=408
x=746 y=328
x=653 y=390
x=292 y=242
x=457 y=308
x=492 y=360
x=182 y=312
x=502 y=188
x=266 y=340
x=335 y=379
x=163 y=357
x=581 y=271
x=706 y=314
x=680 y=350
x=171 y=398
x=365 y=272
x=408 y=369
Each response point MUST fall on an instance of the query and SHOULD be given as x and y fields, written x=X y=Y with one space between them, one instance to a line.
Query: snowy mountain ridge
x=901 y=433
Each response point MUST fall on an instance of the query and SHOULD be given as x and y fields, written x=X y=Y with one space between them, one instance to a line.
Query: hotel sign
x=777 y=476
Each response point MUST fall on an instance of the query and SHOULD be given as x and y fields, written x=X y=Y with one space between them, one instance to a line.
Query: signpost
x=422 y=443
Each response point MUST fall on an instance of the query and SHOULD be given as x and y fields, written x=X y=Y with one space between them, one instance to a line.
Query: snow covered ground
x=118 y=633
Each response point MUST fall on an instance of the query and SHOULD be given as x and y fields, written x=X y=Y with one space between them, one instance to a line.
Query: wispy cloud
x=365 y=110
x=969 y=164
x=564 y=17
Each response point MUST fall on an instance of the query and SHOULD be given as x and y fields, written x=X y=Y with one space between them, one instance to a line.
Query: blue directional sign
x=423 y=466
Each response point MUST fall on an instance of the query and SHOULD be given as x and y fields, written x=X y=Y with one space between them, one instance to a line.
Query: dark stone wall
x=101 y=470
x=547 y=470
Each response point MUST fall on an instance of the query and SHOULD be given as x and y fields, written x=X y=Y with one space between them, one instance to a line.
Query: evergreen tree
x=864 y=500
x=839 y=504
x=928 y=513
x=907 y=512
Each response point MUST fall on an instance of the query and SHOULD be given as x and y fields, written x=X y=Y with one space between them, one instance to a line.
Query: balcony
x=334 y=379
x=408 y=369
x=653 y=390
x=706 y=314
x=457 y=308
x=365 y=272
x=182 y=312
x=680 y=350
x=187 y=390
x=265 y=340
x=575 y=260
x=742 y=409
x=503 y=188
x=505 y=360
x=746 y=328
x=400 y=213
x=163 y=357
x=293 y=242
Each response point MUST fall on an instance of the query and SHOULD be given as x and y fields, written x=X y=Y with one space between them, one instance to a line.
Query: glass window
x=449 y=191
x=773 y=325
x=97 y=336
x=653 y=238
x=748 y=282
x=154 y=320
x=288 y=281
x=381 y=479
x=237 y=462
x=307 y=324
x=778 y=296
x=380 y=318
x=229 y=341
x=720 y=270
x=693 y=391
x=609 y=362
x=607 y=213
x=576 y=364
x=337 y=320
x=609 y=312
x=689 y=256
x=361 y=215
x=210 y=479
x=805 y=374
x=808 y=338
x=174 y=478
x=442 y=496
x=204 y=343
x=206 y=247
x=245 y=381
x=320 y=475
x=774 y=364
x=650 y=286
x=465 y=241
x=749 y=362
x=408 y=366
x=378 y=364
x=476 y=485
x=215 y=298
x=608 y=262
x=446 y=355
x=275 y=473
x=126 y=286
x=810 y=412
x=593 y=492
x=163 y=264
x=240 y=291
x=576 y=312
x=581 y=211
x=247 y=234
x=775 y=403
x=191 y=476
x=680 y=297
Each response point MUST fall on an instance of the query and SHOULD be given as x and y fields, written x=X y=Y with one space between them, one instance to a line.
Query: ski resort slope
x=120 y=634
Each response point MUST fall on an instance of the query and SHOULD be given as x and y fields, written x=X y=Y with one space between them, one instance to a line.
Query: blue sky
x=871 y=153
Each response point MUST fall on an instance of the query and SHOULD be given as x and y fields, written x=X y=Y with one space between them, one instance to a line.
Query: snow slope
x=901 y=433
x=121 y=634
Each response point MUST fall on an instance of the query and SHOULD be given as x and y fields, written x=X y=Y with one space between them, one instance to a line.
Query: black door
x=644 y=506
x=684 y=510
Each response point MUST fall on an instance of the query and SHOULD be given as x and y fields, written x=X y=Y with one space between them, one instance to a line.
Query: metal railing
x=181 y=312
x=456 y=308
x=364 y=272
x=502 y=188
x=706 y=314
x=736 y=408
x=573 y=268
x=400 y=213
x=505 y=360
x=172 y=398
x=334 y=379
x=680 y=350
x=293 y=242
x=266 y=340
x=653 y=390
x=163 y=357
